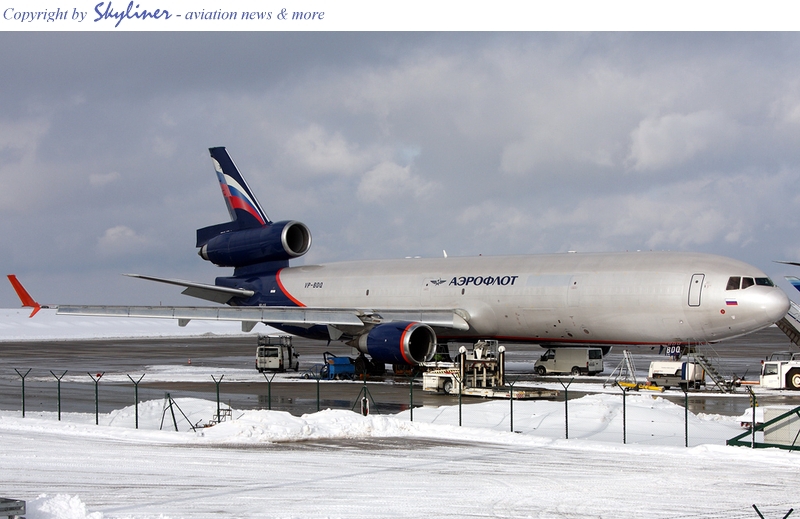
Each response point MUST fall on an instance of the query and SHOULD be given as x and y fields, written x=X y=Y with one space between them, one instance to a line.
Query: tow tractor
x=781 y=371
x=479 y=372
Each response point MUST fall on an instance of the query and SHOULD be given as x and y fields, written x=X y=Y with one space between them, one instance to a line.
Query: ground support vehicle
x=686 y=375
x=276 y=354
x=480 y=372
x=781 y=371
x=576 y=361
x=12 y=508
x=337 y=368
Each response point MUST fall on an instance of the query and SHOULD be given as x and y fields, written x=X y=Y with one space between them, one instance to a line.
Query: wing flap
x=444 y=318
x=286 y=315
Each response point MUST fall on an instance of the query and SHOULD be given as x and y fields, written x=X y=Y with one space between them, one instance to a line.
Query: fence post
x=23 y=388
x=269 y=389
x=753 y=404
x=566 y=406
x=136 y=397
x=217 y=382
x=96 y=379
x=411 y=394
x=511 y=402
x=624 y=418
x=686 y=417
x=59 y=391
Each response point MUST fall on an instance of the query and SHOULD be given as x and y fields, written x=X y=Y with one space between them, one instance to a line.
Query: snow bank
x=17 y=325
x=60 y=506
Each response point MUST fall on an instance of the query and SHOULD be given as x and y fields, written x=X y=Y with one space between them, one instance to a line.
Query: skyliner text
x=131 y=12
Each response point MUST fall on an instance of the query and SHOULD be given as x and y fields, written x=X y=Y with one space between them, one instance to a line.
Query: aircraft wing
x=289 y=315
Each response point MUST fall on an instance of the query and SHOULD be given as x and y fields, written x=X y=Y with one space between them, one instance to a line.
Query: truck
x=781 y=371
x=577 y=361
x=276 y=353
x=668 y=373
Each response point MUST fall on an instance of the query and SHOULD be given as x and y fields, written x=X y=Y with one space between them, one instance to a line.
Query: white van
x=276 y=354
x=577 y=361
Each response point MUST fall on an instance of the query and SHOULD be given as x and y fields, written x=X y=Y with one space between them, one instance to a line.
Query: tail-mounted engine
x=275 y=241
x=398 y=343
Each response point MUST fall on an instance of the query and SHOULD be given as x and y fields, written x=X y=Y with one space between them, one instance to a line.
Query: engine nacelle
x=399 y=343
x=276 y=241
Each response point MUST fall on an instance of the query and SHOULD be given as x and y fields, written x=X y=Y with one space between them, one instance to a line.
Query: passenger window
x=733 y=283
x=764 y=282
x=747 y=282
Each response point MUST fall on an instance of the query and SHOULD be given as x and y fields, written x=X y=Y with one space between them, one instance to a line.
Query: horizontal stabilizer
x=213 y=293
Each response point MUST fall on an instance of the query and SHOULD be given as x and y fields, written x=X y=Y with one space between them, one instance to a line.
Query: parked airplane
x=396 y=310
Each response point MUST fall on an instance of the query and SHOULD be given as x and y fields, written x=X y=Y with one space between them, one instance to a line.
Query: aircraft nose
x=775 y=304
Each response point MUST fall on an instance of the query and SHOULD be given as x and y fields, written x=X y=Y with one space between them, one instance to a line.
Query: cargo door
x=696 y=289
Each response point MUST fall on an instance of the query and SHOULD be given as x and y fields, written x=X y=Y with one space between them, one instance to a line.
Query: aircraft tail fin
x=24 y=296
x=242 y=203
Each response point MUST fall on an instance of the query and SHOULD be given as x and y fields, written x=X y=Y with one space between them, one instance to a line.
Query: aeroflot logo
x=483 y=280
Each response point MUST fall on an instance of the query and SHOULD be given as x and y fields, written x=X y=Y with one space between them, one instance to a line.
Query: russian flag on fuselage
x=242 y=204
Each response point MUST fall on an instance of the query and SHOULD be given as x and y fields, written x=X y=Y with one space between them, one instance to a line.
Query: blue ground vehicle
x=337 y=368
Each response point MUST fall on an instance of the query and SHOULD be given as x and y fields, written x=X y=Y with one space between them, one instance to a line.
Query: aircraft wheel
x=793 y=379
x=540 y=370
x=447 y=387
x=576 y=371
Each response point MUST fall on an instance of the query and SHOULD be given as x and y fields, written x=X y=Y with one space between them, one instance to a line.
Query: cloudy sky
x=390 y=145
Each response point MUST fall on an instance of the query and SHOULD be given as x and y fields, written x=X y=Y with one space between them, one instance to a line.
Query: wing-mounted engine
x=398 y=343
x=275 y=241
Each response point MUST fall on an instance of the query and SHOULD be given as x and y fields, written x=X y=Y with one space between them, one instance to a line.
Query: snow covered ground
x=336 y=463
x=339 y=464
x=17 y=325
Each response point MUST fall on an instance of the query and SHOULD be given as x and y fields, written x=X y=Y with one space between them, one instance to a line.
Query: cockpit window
x=764 y=282
x=747 y=282
x=733 y=283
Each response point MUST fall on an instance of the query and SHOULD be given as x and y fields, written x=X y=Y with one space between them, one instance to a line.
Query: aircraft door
x=695 y=289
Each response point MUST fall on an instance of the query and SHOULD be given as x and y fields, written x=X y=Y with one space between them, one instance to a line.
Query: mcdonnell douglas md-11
x=396 y=310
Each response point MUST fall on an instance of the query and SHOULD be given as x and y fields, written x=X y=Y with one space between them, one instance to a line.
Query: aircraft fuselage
x=572 y=298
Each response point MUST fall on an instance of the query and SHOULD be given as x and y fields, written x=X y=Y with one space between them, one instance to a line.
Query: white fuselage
x=570 y=298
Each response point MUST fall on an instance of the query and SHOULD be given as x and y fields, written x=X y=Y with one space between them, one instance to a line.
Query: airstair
x=790 y=324
x=703 y=358
x=625 y=372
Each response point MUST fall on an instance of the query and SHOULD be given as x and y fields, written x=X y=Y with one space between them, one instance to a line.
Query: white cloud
x=320 y=152
x=20 y=168
x=388 y=181
x=672 y=139
x=101 y=179
x=120 y=240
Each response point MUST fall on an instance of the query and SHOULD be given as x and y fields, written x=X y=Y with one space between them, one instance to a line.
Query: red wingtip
x=24 y=296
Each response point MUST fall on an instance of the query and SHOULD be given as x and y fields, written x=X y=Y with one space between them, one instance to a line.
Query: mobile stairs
x=707 y=357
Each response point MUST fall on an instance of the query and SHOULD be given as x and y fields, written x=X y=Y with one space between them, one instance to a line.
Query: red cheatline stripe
x=286 y=292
